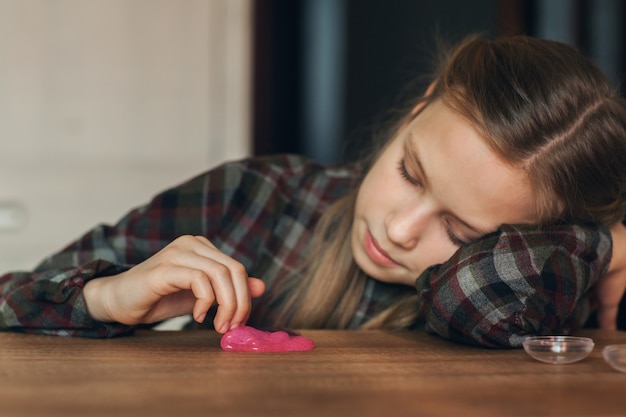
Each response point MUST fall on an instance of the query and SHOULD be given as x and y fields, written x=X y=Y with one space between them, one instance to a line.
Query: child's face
x=436 y=185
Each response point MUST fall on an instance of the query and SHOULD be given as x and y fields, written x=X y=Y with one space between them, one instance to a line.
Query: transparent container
x=558 y=349
x=615 y=355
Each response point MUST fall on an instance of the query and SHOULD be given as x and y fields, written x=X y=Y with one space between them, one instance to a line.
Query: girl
x=493 y=194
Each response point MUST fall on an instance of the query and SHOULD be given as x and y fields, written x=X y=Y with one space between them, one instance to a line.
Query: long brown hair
x=540 y=105
x=544 y=106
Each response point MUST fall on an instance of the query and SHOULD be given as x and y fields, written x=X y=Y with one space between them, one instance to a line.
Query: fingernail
x=225 y=327
x=200 y=318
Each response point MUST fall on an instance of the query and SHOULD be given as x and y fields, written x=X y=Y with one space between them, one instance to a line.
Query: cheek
x=433 y=250
x=374 y=190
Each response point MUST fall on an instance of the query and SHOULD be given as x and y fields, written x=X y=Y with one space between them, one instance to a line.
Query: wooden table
x=349 y=374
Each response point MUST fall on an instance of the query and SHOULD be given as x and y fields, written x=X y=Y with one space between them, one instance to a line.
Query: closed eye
x=452 y=237
x=406 y=175
x=404 y=172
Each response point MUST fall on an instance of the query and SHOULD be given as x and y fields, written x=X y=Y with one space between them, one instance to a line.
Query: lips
x=375 y=253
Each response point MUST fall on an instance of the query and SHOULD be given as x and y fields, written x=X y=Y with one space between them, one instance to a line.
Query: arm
x=515 y=283
x=51 y=300
x=159 y=266
x=190 y=274
x=610 y=289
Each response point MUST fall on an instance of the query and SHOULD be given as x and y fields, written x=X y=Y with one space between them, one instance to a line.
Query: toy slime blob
x=249 y=339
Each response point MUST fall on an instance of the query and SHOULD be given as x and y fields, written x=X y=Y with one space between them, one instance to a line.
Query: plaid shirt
x=261 y=211
x=517 y=282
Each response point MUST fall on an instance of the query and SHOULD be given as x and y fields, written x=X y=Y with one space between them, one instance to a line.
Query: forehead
x=465 y=175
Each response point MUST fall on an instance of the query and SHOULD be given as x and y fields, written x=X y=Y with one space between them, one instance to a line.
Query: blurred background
x=326 y=70
x=103 y=103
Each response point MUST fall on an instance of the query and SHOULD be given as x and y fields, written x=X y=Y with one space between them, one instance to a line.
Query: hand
x=188 y=275
x=610 y=289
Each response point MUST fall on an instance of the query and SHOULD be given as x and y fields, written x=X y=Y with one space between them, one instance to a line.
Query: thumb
x=256 y=286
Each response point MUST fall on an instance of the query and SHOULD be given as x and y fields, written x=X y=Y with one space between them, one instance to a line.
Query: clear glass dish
x=558 y=349
x=615 y=355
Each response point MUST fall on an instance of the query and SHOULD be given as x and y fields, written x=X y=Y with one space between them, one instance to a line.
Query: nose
x=406 y=226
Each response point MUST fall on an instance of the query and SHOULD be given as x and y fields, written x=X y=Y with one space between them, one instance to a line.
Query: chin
x=386 y=276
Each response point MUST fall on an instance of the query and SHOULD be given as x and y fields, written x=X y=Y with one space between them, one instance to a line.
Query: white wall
x=103 y=103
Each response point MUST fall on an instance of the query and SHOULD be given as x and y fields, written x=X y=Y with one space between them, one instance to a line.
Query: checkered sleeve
x=517 y=282
x=257 y=210
x=52 y=302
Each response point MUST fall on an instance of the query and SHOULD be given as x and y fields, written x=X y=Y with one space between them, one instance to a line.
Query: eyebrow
x=411 y=150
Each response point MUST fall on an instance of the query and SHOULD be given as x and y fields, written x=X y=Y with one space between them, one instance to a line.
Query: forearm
x=506 y=286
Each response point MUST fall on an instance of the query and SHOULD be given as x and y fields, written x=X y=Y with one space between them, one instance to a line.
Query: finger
x=218 y=277
x=234 y=315
x=160 y=293
x=172 y=305
x=256 y=287
x=228 y=279
x=198 y=282
x=231 y=287
x=193 y=277
x=204 y=241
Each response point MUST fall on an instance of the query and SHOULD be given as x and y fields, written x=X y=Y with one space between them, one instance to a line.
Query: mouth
x=376 y=253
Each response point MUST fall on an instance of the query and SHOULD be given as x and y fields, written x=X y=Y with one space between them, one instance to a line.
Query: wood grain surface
x=350 y=373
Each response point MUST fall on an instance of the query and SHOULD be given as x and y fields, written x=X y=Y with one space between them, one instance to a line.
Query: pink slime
x=249 y=339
